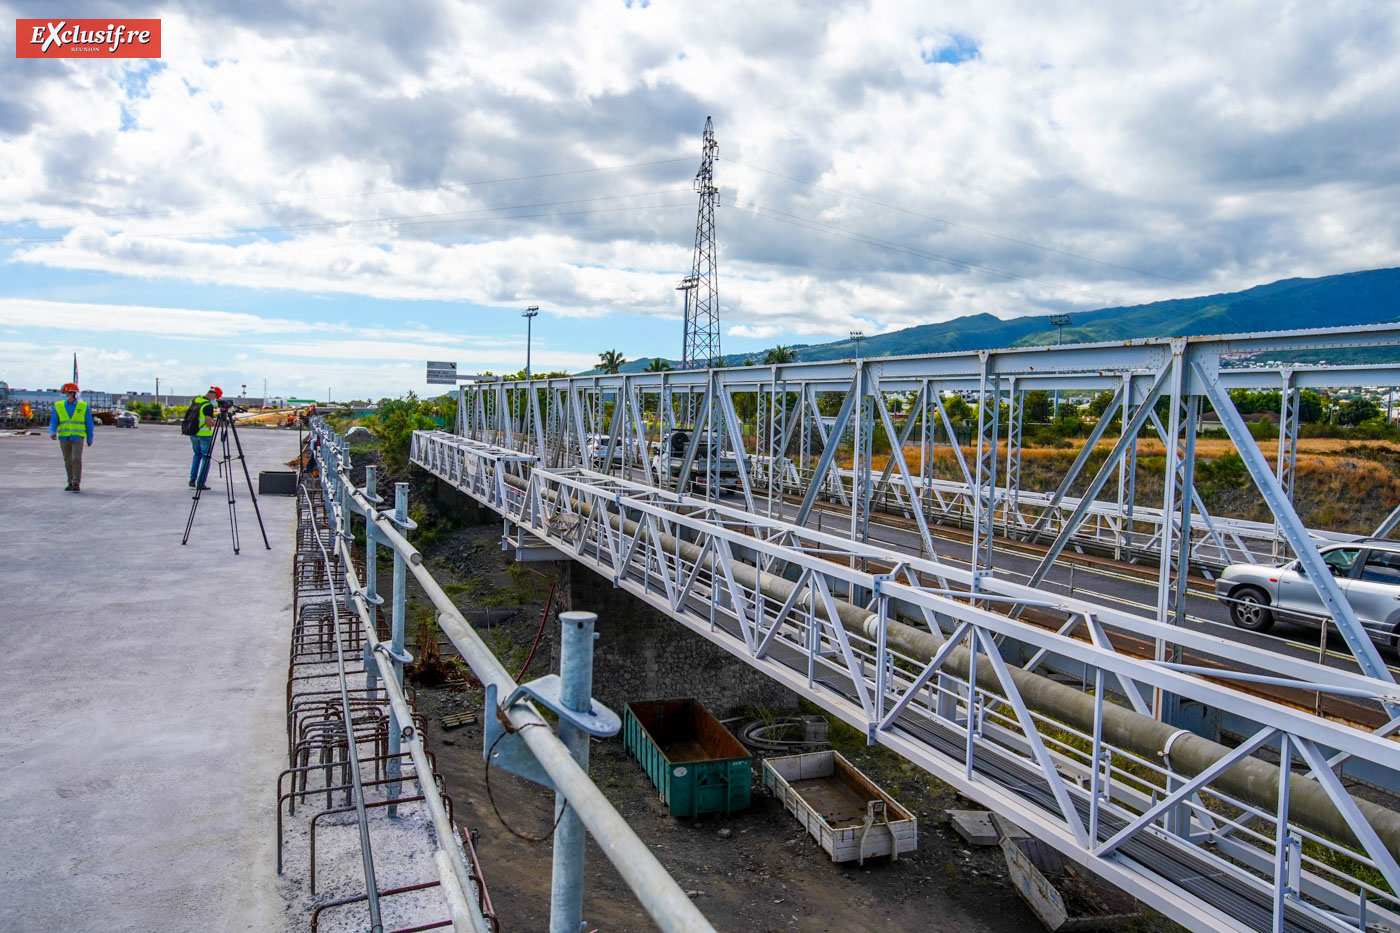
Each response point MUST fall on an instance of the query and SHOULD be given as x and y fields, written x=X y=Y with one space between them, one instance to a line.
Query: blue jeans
x=199 y=465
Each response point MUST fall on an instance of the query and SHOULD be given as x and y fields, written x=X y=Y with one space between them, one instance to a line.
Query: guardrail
x=659 y=894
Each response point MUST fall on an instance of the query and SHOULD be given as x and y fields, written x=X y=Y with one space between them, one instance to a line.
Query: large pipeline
x=1251 y=780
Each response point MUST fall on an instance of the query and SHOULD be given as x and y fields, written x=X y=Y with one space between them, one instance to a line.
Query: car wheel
x=1250 y=609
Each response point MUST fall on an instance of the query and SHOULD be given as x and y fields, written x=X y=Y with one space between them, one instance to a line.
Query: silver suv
x=1367 y=571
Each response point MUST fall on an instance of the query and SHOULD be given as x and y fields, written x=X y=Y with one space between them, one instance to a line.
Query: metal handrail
x=659 y=894
x=352 y=745
x=466 y=915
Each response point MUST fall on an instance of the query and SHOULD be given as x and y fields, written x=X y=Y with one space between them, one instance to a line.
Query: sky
x=325 y=196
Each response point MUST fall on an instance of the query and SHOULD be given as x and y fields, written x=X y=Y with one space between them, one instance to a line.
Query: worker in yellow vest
x=71 y=424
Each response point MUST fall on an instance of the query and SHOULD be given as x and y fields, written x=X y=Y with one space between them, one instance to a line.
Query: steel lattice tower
x=700 y=347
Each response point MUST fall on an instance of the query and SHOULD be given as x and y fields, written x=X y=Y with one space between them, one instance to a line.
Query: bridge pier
x=459 y=506
x=643 y=655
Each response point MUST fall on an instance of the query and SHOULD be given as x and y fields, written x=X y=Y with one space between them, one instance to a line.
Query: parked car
x=127 y=419
x=669 y=459
x=596 y=446
x=1367 y=572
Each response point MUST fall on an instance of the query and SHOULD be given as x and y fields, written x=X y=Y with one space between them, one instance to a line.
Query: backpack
x=192 y=422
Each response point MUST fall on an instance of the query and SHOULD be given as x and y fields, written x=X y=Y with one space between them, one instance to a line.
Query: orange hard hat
x=69 y=387
x=216 y=391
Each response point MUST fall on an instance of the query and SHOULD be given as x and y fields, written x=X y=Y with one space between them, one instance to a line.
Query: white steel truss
x=906 y=649
x=821 y=414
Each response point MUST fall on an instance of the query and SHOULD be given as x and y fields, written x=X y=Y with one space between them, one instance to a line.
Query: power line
x=438 y=217
x=760 y=210
x=952 y=223
x=362 y=194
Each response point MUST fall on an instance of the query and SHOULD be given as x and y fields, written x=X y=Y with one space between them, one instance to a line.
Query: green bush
x=394 y=422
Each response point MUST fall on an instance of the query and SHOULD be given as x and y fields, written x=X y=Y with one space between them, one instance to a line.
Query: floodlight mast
x=1059 y=322
x=529 y=314
x=700 y=347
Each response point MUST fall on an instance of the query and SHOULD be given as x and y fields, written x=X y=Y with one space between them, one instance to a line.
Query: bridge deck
x=131 y=800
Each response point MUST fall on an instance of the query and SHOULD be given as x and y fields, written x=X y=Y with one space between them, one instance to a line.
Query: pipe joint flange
x=597 y=721
x=400 y=656
x=1166 y=753
x=363 y=594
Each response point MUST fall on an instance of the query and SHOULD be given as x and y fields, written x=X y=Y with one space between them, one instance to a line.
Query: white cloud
x=1218 y=147
x=135 y=319
x=755 y=331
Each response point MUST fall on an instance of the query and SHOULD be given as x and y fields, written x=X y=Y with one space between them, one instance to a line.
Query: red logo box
x=87 y=38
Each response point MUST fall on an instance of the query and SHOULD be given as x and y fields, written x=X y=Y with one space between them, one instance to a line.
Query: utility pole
x=264 y=392
x=157 y=390
x=700 y=346
x=529 y=315
x=1059 y=322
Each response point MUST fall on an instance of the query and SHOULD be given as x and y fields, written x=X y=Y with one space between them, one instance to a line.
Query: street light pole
x=857 y=336
x=1059 y=322
x=529 y=315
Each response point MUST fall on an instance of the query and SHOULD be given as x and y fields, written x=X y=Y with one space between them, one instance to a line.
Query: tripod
x=223 y=429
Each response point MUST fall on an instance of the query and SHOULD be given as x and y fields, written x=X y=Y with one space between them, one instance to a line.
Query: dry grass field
x=1342 y=485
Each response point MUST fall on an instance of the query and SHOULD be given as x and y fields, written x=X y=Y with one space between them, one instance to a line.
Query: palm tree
x=610 y=361
x=780 y=354
x=658 y=365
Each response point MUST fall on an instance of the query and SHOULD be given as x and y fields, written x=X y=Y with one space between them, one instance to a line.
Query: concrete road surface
x=142 y=684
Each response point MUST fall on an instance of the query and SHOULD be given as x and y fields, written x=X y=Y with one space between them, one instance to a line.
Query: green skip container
x=695 y=762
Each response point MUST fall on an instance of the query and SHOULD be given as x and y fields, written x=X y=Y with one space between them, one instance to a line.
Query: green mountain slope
x=1370 y=297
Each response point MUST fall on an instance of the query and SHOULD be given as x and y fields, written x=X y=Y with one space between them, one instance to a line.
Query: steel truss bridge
x=912 y=647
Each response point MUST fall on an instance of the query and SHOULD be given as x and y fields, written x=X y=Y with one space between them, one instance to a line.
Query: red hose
x=540 y=634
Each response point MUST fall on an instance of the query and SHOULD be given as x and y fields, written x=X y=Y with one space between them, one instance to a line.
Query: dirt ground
x=755 y=870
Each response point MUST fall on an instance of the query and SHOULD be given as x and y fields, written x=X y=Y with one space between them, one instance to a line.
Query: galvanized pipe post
x=400 y=582
x=371 y=574
x=576 y=692
x=342 y=524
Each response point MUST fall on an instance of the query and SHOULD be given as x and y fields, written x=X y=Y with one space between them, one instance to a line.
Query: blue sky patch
x=135 y=78
x=956 y=50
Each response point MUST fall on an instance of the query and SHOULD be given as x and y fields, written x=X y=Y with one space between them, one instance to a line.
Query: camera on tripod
x=224 y=429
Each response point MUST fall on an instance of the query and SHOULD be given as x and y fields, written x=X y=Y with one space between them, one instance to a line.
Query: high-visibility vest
x=72 y=424
x=204 y=429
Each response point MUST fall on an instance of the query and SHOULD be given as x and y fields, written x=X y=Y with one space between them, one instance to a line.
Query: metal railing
x=907 y=650
x=659 y=894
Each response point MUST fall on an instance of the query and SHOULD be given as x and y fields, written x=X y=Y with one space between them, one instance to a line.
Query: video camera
x=227 y=408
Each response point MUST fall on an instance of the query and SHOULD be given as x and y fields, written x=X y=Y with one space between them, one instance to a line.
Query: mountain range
x=1368 y=297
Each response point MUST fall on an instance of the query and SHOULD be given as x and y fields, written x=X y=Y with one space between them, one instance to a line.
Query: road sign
x=442 y=373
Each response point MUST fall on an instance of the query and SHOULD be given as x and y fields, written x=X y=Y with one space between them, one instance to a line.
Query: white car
x=596 y=447
x=1367 y=572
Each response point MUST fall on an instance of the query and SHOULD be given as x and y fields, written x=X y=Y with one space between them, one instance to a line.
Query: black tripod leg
x=199 y=472
x=226 y=467
x=249 y=479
